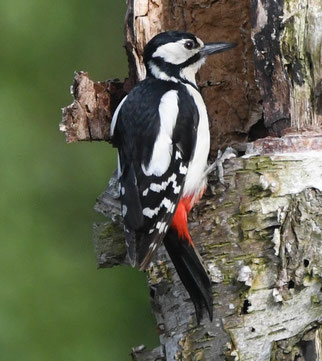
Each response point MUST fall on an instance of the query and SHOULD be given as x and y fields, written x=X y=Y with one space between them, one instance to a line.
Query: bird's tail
x=191 y=271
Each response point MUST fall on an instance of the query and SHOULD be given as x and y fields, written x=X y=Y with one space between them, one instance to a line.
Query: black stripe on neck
x=172 y=70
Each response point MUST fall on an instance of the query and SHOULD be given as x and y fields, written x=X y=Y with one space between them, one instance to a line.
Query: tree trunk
x=260 y=233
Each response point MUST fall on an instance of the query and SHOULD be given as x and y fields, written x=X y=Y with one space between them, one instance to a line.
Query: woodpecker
x=162 y=134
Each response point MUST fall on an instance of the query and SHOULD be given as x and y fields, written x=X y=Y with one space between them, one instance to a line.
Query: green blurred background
x=54 y=304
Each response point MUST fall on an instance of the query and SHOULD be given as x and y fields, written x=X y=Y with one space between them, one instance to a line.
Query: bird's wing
x=155 y=135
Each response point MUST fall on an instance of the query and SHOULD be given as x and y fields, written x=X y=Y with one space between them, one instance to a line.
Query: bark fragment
x=300 y=141
x=287 y=36
x=301 y=44
x=89 y=116
x=270 y=74
x=141 y=354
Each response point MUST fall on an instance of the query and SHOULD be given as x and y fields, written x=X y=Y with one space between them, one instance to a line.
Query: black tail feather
x=192 y=273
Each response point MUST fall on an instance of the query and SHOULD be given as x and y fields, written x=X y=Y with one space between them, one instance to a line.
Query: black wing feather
x=150 y=236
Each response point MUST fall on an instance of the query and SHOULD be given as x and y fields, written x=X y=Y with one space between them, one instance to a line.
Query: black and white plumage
x=162 y=135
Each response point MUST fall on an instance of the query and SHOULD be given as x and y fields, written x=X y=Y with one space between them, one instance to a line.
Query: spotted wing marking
x=163 y=213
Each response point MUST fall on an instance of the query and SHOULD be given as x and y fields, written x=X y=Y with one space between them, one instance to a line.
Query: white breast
x=195 y=179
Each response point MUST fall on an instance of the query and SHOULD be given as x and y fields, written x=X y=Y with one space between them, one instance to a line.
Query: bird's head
x=177 y=56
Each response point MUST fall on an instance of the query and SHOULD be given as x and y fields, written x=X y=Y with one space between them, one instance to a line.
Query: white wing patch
x=161 y=226
x=162 y=150
x=178 y=155
x=116 y=113
x=155 y=187
x=159 y=187
x=183 y=169
x=148 y=212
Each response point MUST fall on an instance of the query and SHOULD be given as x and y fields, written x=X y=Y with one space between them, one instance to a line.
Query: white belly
x=195 y=178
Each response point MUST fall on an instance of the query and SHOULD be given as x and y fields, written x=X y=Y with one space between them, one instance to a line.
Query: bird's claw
x=218 y=163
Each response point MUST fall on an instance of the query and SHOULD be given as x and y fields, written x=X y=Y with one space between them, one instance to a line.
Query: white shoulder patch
x=116 y=113
x=162 y=150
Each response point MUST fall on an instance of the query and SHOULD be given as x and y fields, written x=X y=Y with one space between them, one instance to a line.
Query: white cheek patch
x=174 y=53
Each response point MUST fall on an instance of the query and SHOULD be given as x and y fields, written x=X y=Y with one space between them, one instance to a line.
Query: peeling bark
x=260 y=234
x=270 y=74
x=89 y=116
x=141 y=354
x=261 y=237
x=301 y=44
x=287 y=36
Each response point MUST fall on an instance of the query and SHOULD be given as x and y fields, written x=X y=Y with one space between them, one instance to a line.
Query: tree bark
x=260 y=233
x=260 y=236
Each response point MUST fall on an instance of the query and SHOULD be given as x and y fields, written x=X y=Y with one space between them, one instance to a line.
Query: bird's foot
x=218 y=163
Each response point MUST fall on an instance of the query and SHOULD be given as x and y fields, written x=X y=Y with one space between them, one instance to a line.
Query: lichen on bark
x=261 y=238
x=301 y=43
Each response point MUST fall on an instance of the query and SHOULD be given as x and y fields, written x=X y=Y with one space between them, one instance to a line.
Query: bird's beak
x=212 y=48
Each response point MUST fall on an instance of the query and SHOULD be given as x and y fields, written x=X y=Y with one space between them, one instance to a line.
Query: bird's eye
x=188 y=45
